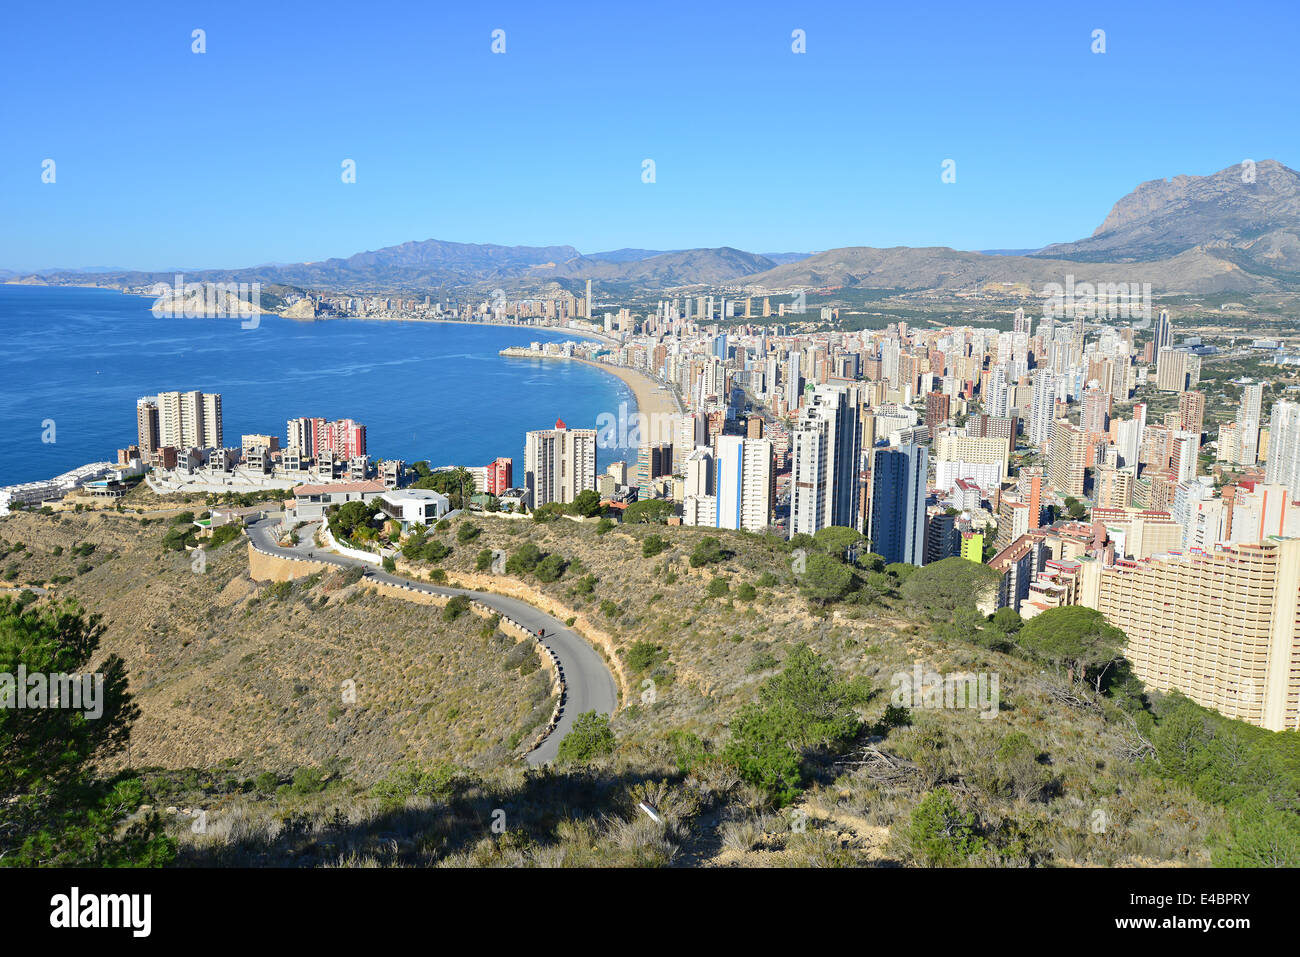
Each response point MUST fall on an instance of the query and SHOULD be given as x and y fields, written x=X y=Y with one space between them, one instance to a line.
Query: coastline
x=559 y=330
x=652 y=399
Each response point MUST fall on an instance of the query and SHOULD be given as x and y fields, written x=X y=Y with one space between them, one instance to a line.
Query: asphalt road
x=590 y=686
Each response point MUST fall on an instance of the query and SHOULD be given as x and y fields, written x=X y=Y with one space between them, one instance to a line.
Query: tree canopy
x=54 y=809
x=1075 y=638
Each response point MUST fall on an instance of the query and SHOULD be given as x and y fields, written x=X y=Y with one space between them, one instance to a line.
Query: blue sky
x=169 y=159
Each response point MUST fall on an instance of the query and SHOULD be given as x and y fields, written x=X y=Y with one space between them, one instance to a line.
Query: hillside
x=687 y=267
x=247 y=677
x=717 y=635
x=950 y=270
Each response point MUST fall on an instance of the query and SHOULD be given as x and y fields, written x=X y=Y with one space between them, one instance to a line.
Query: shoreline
x=580 y=333
x=652 y=399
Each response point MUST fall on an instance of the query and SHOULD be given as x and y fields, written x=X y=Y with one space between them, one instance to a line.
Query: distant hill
x=952 y=270
x=629 y=255
x=1255 y=225
x=1190 y=234
x=687 y=267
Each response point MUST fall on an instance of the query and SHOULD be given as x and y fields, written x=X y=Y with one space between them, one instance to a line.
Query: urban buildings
x=187 y=420
x=744 y=483
x=1217 y=625
x=500 y=473
x=826 y=446
x=1068 y=460
x=558 y=464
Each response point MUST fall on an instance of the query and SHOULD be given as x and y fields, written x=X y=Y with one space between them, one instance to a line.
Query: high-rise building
x=344 y=438
x=1067 y=462
x=983 y=425
x=558 y=464
x=826 y=444
x=936 y=411
x=744 y=483
x=959 y=456
x=1177 y=369
x=690 y=433
x=1249 y=417
x=1191 y=412
x=300 y=435
x=146 y=424
x=897 y=525
x=793 y=381
x=1095 y=417
x=653 y=461
x=190 y=420
x=1283 y=466
x=1043 y=408
x=500 y=475
x=1217 y=625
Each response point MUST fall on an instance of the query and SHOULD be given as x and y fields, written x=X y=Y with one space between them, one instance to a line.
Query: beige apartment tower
x=1067 y=461
x=190 y=420
x=1217 y=625
x=146 y=426
x=559 y=463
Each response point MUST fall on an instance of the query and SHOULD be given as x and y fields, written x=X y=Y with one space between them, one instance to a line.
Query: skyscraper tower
x=827 y=444
x=897 y=528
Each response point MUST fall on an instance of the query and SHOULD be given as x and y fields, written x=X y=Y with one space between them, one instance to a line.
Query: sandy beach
x=652 y=399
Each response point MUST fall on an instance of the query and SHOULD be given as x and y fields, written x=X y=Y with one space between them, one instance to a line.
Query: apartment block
x=1217 y=625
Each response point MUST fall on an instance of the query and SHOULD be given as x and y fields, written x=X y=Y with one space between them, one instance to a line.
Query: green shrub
x=653 y=545
x=644 y=655
x=550 y=568
x=941 y=835
x=524 y=559
x=456 y=606
x=708 y=551
x=590 y=738
x=308 y=780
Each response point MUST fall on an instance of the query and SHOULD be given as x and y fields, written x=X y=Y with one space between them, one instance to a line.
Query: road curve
x=589 y=684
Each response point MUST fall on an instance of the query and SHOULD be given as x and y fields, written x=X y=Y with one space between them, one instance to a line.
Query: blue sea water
x=80 y=358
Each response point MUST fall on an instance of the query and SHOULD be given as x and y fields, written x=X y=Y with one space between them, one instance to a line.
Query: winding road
x=589 y=684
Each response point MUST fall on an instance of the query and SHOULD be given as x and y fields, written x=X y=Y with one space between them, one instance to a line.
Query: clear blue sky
x=168 y=159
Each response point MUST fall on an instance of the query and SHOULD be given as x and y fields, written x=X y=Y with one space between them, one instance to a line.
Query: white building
x=1283 y=466
x=827 y=444
x=744 y=482
x=414 y=506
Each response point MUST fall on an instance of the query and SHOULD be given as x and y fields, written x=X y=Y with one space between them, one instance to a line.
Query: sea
x=73 y=361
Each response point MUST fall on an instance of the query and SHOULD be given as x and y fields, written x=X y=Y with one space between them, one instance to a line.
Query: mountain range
x=1237 y=230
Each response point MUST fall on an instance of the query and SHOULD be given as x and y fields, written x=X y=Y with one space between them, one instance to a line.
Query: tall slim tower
x=827 y=445
x=897 y=529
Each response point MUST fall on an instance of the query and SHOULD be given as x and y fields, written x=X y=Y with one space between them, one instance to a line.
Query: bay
x=79 y=358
